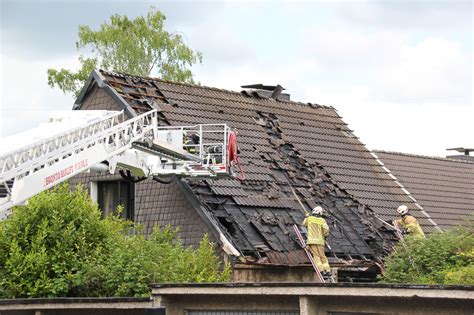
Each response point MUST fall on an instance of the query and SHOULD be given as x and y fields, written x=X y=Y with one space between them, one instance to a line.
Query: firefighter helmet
x=318 y=210
x=402 y=210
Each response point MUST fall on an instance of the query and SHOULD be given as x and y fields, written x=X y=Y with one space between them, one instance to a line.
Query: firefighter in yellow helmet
x=318 y=231
x=408 y=223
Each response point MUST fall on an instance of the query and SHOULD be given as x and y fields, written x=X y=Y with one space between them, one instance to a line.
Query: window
x=115 y=193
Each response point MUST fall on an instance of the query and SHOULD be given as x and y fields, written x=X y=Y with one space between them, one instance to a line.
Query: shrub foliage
x=58 y=245
x=443 y=258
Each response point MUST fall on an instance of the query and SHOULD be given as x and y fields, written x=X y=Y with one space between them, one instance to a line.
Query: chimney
x=267 y=91
x=466 y=156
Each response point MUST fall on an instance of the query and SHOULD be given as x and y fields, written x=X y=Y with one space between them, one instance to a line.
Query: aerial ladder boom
x=104 y=140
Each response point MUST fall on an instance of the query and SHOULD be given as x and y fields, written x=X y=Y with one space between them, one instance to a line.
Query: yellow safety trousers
x=319 y=257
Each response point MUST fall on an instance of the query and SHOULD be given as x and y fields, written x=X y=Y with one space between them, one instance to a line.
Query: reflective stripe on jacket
x=317 y=228
x=410 y=223
x=189 y=145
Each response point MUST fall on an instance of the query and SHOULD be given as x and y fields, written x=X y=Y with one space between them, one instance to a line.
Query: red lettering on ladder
x=65 y=172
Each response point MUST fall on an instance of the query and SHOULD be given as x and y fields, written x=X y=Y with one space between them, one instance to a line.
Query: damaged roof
x=444 y=187
x=295 y=155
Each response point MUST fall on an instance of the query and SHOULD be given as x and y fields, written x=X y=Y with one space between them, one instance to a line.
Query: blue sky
x=398 y=72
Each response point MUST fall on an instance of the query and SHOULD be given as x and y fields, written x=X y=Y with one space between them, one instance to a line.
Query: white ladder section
x=136 y=144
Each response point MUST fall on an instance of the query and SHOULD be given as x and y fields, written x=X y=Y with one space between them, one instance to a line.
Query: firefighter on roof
x=408 y=223
x=318 y=231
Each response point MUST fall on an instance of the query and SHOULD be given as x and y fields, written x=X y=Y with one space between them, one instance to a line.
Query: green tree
x=139 y=47
x=443 y=258
x=58 y=245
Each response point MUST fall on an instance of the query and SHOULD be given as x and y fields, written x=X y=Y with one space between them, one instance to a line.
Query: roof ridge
x=115 y=73
x=424 y=156
x=167 y=81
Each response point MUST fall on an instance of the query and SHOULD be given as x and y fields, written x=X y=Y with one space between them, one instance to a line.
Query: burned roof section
x=443 y=186
x=295 y=156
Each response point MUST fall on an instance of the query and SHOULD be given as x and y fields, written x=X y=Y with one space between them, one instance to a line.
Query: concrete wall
x=307 y=305
x=382 y=305
x=86 y=311
x=79 y=306
x=315 y=299
x=256 y=273
x=175 y=305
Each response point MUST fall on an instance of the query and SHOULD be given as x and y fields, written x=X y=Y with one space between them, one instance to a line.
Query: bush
x=136 y=262
x=58 y=245
x=443 y=258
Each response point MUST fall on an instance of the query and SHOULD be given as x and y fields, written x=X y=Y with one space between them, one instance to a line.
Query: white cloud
x=222 y=46
x=26 y=97
x=435 y=70
x=349 y=49
x=232 y=76
x=428 y=128
x=414 y=98
x=440 y=16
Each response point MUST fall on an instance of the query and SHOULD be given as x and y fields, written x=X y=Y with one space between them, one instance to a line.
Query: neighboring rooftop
x=465 y=154
x=443 y=187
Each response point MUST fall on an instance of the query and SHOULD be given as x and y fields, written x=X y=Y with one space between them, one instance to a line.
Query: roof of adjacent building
x=443 y=187
x=294 y=155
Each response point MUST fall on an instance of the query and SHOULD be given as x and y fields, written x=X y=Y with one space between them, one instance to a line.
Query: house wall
x=162 y=204
x=159 y=204
x=99 y=99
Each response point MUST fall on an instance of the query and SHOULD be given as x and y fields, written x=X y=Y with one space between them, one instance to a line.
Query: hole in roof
x=221 y=111
x=302 y=123
x=228 y=225
x=175 y=105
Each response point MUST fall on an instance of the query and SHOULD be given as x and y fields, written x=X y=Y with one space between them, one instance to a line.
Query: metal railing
x=207 y=141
